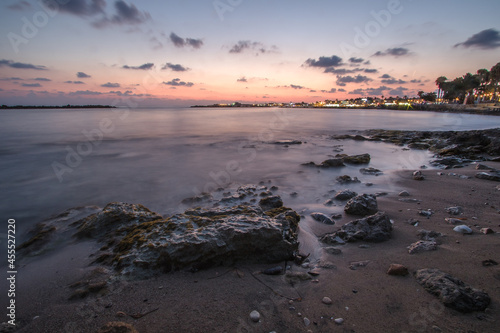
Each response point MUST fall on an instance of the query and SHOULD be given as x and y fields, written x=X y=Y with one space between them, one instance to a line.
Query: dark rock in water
x=354 y=159
x=345 y=179
x=287 y=142
x=273 y=271
x=197 y=199
x=419 y=145
x=370 y=171
x=364 y=204
x=345 y=195
x=417 y=175
x=332 y=163
x=112 y=217
x=375 y=228
x=270 y=202
x=117 y=327
x=480 y=166
x=451 y=291
x=422 y=246
x=489 y=176
x=398 y=270
x=449 y=162
x=320 y=217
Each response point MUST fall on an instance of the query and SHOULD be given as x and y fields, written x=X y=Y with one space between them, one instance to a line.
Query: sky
x=156 y=53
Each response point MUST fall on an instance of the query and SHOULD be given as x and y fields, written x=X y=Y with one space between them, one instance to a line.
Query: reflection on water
x=158 y=157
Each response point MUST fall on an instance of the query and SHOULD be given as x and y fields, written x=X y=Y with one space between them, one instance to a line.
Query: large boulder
x=375 y=228
x=345 y=194
x=364 y=204
x=355 y=159
x=451 y=291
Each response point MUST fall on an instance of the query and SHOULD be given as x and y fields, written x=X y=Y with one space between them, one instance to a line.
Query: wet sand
x=220 y=299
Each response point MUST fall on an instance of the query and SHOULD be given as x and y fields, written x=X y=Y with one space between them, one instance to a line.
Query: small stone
x=455 y=210
x=328 y=202
x=327 y=300
x=336 y=216
x=453 y=221
x=255 y=316
x=355 y=264
x=463 y=229
x=489 y=262
x=320 y=217
x=422 y=246
x=333 y=250
x=339 y=321
x=487 y=231
x=121 y=314
x=417 y=175
x=427 y=213
x=307 y=322
x=413 y=222
x=314 y=272
x=404 y=194
x=398 y=270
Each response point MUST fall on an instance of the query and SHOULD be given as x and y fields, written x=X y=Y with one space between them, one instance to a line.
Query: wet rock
x=398 y=270
x=451 y=291
x=454 y=210
x=429 y=235
x=332 y=163
x=328 y=202
x=413 y=222
x=362 y=205
x=327 y=300
x=346 y=179
x=320 y=217
x=448 y=162
x=333 y=250
x=271 y=202
x=404 y=194
x=332 y=239
x=486 y=231
x=375 y=228
x=197 y=199
x=480 y=166
x=419 y=145
x=117 y=327
x=336 y=216
x=370 y=171
x=345 y=194
x=462 y=229
x=255 y=316
x=453 y=221
x=427 y=213
x=489 y=176
x=417 y=175
x=422 y=246
x=355 y=159
x=354 y=265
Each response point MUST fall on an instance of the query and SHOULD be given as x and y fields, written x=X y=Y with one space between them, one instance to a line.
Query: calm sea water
x=52 y=160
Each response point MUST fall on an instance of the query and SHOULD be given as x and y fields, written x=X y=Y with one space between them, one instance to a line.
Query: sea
x=55 y=159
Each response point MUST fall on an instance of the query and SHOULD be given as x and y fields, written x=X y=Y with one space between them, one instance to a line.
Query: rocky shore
x=424 y=256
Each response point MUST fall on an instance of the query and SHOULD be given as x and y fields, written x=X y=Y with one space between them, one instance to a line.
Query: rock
x=255 y=316
x=286 y=142
x=320 y=217
x=488 y=176
x=486 y=231
x=480 y=166
x=427 y=213
x=332 y=163
x=413 y=222
x=451 y=220
x=339 y=321
x=273 y=271
x=398 y=270
x=307 y=322
x=364 y=204
x=333 y=250
x=197 y=199
x=270 y=202
x=326 y=265
x=354 y=265
x=498 y=187
x=314 y=272
x=327 y=300
x=404 y=194
x=489 y=262
x=454 y=210
x=451 y=291
x=355 y=159
x=117 y=327
x=332 y=239
x=463 y=229
x=345 y=194
x=328 y=202
x=417 y=175
x=448 y=162
x=374 y=228
x=370 y=171
x=422 y=246
x=345 y=179
x=429 y=235
x=419 y=145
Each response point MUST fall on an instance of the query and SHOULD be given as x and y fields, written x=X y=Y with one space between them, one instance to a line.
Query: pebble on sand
x=463 y=229
x=327 y=300
x=339 y=321
x=397 y=269
x=255 y=316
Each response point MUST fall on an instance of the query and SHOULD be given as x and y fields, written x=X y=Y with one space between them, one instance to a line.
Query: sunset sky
x=178 y=53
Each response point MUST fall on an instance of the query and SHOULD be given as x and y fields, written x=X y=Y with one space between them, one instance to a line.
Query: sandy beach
x=220 y=299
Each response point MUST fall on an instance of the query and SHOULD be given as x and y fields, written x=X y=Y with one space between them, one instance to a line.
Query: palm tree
x=471 y=82
x=495 y=78
x=484 y=79
x=440 y=83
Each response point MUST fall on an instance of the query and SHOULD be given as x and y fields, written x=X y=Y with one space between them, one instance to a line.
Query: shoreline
x=222 y=297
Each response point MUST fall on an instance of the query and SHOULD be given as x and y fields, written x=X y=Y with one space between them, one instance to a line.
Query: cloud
x=354 y=60
x=74 y=82
x=178 y=83
x=387 y=79
x=324 y=62
x=487 y=40
x=312 y=91
x=340 y=71
x=110 y=85
x=82 y=75
x=385 y=76
x=258 y=47
x=331 y=91
x=175 y=67
x=128 y=14
x=12 y=79
x=294 y=86
x=341 y=90
x=42 y=79
x=85 y=92
x=398 y=91
x=31 y=85
x=370 y=70
x=181 y=42
x=79 y=7
x=395 y=52
x=20 y=65
x=370 y=91
x=416 y=81
x=147 y=66
x=343 y=80
x=242 y=79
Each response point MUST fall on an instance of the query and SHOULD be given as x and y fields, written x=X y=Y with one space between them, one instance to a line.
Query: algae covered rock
x=375 y=228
